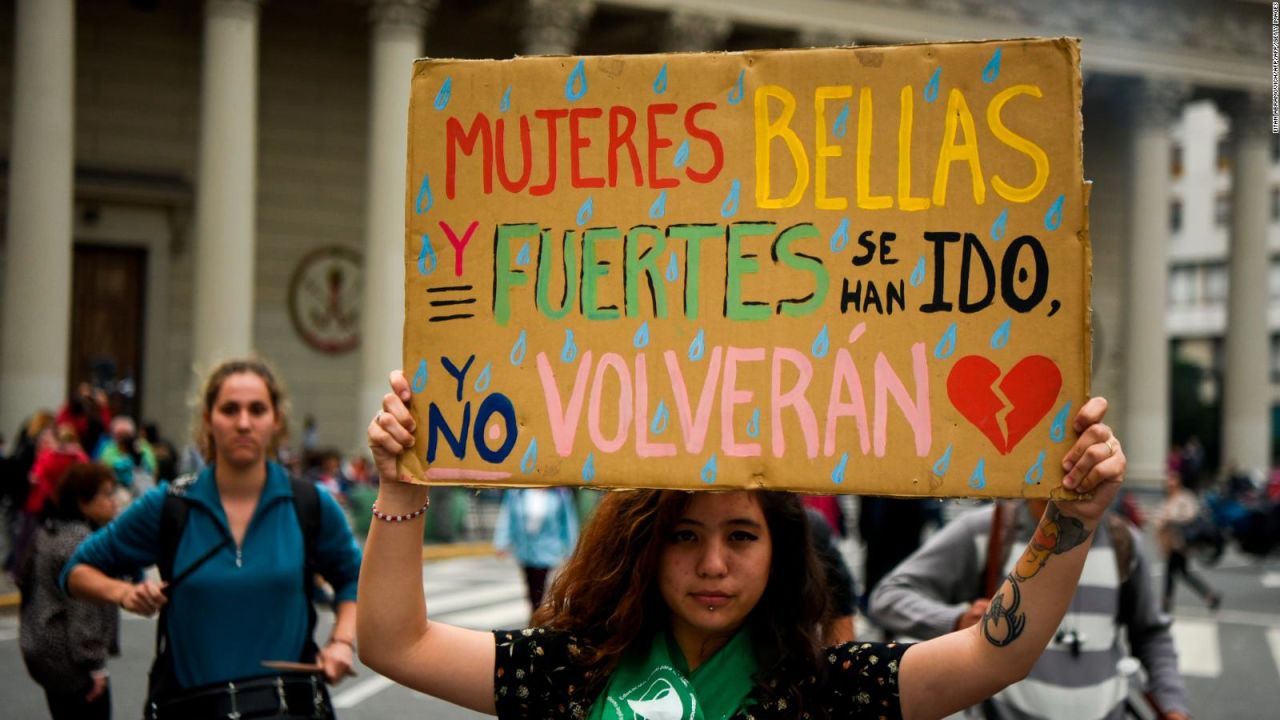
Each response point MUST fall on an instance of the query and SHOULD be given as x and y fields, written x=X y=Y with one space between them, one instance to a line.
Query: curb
x=450 y=551
x=430 y=553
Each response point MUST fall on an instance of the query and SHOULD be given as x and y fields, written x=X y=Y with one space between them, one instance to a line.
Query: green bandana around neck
x=654 y=683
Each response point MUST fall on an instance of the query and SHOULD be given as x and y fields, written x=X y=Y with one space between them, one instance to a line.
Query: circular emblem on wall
x=324 y=299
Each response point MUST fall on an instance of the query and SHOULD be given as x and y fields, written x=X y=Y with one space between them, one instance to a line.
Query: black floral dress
x=536 y=675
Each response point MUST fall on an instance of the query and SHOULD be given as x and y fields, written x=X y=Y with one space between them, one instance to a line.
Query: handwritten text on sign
x=831 y=270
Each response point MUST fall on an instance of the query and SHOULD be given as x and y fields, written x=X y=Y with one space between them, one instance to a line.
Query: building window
x=1222 y=210
x=1215 y=283
x=1175 y=216
x=1224 y=154
x=1175 y=160
x=1182 y=286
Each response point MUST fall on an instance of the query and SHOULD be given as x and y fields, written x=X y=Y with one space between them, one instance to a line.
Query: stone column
x=226 y=184
x=396 y=31
x=1246 y=427
x=552 y=27
x=1144 y=414
x=37 y=281
x=694 y=32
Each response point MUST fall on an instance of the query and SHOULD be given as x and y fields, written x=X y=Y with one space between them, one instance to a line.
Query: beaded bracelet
x=399 y=518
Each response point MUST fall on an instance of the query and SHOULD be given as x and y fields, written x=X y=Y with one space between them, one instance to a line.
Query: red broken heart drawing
x=1031 y=386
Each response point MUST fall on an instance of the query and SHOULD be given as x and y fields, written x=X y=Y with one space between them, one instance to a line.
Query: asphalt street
x=1230 y=659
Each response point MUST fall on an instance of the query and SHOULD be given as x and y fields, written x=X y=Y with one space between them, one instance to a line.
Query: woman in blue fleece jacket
x=246 y=603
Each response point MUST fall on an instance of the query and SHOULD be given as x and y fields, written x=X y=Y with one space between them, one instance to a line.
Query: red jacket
x=49 y=468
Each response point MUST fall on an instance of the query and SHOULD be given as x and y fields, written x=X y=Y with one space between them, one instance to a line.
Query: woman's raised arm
x=394 y=634
x=960 y=669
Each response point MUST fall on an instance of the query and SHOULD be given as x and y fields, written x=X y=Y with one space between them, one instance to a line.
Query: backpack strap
x=173 y=521
x=306 y=505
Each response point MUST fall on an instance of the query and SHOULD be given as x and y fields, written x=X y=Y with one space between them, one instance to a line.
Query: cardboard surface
x=834 y=270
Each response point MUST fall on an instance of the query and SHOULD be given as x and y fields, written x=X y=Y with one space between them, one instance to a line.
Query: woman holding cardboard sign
x=707 y=606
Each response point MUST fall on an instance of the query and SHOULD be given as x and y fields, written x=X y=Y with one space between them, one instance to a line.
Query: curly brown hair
x=607 y=594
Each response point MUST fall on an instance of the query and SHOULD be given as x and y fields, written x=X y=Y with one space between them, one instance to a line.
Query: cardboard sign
x=838 y=270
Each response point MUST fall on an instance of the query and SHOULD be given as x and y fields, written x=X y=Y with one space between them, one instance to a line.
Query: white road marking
x=1198 y=651
x=360 y=692
x=1271 y=579
x=510 y=614
x=1273 y=639
x=440 y=605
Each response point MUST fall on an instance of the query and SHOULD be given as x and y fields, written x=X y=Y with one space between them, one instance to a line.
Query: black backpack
x=162 y=679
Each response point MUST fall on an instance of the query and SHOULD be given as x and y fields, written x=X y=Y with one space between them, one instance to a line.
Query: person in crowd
x=891 y=529
x=130 y=457
x=840 y=624
x=326 y=471
x=52 y=462
x=88 y=411
x=237 y=546
x=1175 y=520
x=539 y=526
x=65 y=642
x=943 y=587
x=35 y=433
x=705 y=600
x=829 y=510
x=165 y=453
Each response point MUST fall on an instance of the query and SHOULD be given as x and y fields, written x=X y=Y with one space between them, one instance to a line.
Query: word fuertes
x=574 y=272
x=618 y=145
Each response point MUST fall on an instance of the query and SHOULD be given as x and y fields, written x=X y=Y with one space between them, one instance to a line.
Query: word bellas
x=599 y=143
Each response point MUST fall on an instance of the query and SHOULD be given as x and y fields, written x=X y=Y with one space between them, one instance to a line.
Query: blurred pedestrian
x=238 y=547
x=891 y=528
x=165 y=453
x=539 y=526
x=839 y=626
x=130 y=457
x=65 y=642
x=948 y=583
x=89 y=412
x=1176 y=524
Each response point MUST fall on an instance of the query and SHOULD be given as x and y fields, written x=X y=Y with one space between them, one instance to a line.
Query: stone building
x=173 y=166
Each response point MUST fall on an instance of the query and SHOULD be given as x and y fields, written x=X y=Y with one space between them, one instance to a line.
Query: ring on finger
x=1111 y=446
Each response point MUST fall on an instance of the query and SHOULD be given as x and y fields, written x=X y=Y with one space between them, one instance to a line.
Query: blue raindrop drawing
x=589 y=468
x=661 y=416
x=659 y=206
x=1000 y=337
x=753 y=425
x=570 y=349
x=586 y=211
x=1000 y=225
x=682 y=154
x=698 y=346
x=505 y=104
x=641 y=338
x=660 y=82
x=978 y=479
x=943 y=463
x=522 y=258
x=1036 y=471
x=735 y=95
x=529 y=461
x=1053 y=218
x=840 y=238
x=673 y=268
x=424 y=193
x=576 y=86
x=946 y=344
x=931 y=90
x=443 y=95
x=729 y=207
x=1058 y=430
x=484 y=378
x=426 y=257
x=992 y=69
x=918 y=273
x=708 y=473
x=841 y=124
x=821 y=344
x=837 y=475
x=519 y=348
x=420 y=377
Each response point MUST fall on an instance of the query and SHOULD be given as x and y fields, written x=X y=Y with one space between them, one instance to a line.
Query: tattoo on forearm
x=1056 y=534
x=1002 y=625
